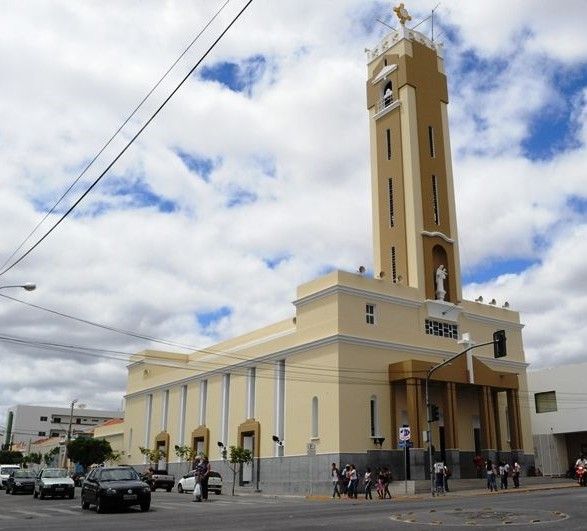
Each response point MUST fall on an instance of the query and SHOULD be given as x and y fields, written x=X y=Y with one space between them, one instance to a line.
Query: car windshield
x=7 y=469
x=22 y=474
x=118 y=474
x=54 y=473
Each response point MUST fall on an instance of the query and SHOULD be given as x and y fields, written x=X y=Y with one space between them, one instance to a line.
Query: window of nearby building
x=57 y=420
x=438 y=328
x=431 y=141
x=54 y=434
x=393 y=266
x=435 y=200
x=42 y=434
x=391 y=206
x=315 y=417
x=370 y=313
x=43 y=419
x=545 y=402
x=388 y=138
x=78 y=421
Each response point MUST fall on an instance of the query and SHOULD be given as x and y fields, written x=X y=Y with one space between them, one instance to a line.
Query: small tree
x=87 y=451
x=237 y=458
x=153 y=456
x=49 y=456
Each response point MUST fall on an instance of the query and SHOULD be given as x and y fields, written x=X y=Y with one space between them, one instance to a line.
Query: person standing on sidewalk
x=504 y=472
x=353 y=482
x=335 y=475
x=439 y=477
x=491 y=473
x=447 y=474
x=516 y=469
x=387 y=479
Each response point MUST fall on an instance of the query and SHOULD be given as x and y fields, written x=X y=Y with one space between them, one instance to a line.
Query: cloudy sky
x=255 y=177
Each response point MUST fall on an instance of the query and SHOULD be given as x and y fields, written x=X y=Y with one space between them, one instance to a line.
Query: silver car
x=54 y=482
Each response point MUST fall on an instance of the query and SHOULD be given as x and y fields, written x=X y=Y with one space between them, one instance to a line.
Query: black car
x=20 y=481
x=115 y=487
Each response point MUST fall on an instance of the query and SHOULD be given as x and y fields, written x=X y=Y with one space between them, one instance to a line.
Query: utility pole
x=499 y=351
x=73 y=402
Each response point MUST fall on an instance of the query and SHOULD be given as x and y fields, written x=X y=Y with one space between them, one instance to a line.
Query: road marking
x=57 y=510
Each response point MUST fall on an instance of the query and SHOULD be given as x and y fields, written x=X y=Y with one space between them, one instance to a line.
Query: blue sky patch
x=241 y=197
x=206 y=319
x=140 y=195
x=238 y=77
x=203 y=166
x=275 y=262
x=577 y=204
x=493 y=269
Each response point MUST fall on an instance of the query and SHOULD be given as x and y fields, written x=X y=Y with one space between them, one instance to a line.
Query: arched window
x=315 y=417
x=374 y=416
x=387 y=94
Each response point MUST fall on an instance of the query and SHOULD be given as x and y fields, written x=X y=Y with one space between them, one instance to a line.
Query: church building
x=337 y=380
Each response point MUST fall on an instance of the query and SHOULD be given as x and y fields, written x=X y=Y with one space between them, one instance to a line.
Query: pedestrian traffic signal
x=499 y=346
x=433 y=414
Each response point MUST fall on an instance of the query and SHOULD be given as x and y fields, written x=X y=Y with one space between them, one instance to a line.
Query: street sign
x=406 y=444
x=405 y=434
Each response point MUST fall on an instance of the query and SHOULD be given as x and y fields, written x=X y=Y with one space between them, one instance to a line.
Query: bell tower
x=414 y=219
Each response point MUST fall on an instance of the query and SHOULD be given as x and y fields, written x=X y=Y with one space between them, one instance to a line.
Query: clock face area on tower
x=414 y=220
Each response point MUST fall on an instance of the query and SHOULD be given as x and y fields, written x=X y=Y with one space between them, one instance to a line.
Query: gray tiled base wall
x=310 y=475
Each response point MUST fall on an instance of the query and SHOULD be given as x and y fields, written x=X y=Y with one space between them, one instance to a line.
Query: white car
x=5 y=471
x=188 y=482
x=54 y=482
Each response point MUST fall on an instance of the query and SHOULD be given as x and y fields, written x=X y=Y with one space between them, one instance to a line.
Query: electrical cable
x=130 y=142
x=109 y=141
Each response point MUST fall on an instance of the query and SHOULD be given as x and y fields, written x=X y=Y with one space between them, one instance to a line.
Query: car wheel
x=145 y=506
x=179 y=488
x=169 y=489
x=85 y=504
x=99 y=505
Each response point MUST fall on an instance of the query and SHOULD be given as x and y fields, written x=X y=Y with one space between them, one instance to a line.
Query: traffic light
x=434 y=414
x=499 y=346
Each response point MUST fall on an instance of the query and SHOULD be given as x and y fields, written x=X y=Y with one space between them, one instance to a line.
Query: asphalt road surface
x=550 y=509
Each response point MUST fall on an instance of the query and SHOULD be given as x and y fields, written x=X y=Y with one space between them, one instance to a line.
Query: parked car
x=188 y=482
x=159 y=479
x=115 y=487
x=54 y=482
x=5 y=471
x=20 y=480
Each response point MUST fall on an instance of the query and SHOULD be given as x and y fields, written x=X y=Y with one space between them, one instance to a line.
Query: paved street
x=552 y=509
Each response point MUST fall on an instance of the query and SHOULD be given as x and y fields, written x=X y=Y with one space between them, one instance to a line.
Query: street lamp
x=29 y=286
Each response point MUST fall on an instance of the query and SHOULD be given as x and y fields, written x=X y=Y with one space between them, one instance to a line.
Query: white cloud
x=75 y=78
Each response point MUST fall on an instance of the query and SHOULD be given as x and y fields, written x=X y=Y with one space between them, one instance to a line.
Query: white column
x=165 y=410
x=250 y=403
x=148 y=412
x=203 y=398
x=182 y=406
x=225 y=407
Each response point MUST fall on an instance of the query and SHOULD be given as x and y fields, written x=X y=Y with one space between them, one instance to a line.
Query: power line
x=109 y=141
x=131 y=141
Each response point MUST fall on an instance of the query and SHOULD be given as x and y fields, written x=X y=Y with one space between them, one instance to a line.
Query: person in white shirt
x=516 y=469
x=439 y=477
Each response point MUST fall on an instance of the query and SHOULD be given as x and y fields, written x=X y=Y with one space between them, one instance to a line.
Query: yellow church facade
x=336 y=381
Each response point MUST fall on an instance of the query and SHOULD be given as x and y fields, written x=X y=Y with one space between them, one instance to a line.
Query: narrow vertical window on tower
x=370 y=314
x=431 y=141
x=388 y=138
x=435 y=200
x=393 y=266
x=391 y=208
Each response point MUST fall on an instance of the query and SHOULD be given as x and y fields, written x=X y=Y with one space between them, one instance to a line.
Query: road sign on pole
x=405 y=434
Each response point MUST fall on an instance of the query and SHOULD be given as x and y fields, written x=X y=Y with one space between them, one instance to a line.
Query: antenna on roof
x=432 y=16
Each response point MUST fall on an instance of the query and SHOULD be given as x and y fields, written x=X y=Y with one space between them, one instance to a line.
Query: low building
x=33 y=422
x=558 y=412
x=112 y=431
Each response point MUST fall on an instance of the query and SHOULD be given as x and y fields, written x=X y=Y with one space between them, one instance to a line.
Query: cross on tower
x=402 y=14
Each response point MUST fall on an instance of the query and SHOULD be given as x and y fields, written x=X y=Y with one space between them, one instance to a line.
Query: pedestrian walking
x=380 y=478
x=346 y=476
x=491 y=473
x=387 y=479
x=335 y=475
x=447 y=474
x=504 y=471
x=368 y=484
x=353 y=482
x=439 y=477
x=516 y=469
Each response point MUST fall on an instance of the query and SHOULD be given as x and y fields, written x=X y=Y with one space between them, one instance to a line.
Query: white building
x=558 y=409
x=32 y=422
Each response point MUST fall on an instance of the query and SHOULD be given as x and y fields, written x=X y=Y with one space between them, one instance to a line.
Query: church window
x=435 y=200
x=393 y=265
x=391 y=207
x=388 y=138
x=431 y=141
x=441 y=329
x=315 y=417
x=370 y=313
x=374 y=416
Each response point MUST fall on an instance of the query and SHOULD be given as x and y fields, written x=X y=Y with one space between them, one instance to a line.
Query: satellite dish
x=362 y=269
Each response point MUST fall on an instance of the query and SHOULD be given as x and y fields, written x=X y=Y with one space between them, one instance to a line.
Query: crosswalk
x=10 y=514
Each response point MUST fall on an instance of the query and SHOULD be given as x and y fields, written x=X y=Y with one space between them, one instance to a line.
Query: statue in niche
x=441 y=274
